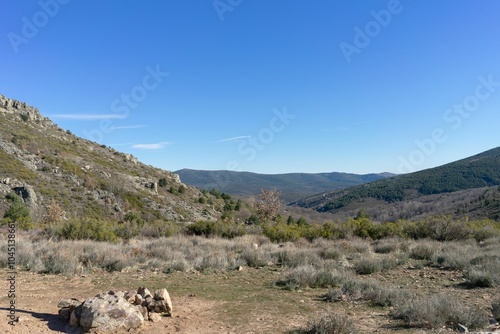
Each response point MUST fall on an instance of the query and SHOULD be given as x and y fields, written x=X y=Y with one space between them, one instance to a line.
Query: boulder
x=144 y=292
x=64 y=314
x=63 y=303
x=109 y=312
x=154 y=317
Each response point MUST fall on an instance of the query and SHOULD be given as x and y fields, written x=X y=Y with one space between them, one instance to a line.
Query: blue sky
x=263 y=86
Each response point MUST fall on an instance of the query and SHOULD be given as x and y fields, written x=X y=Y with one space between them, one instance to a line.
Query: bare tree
x=269 y=204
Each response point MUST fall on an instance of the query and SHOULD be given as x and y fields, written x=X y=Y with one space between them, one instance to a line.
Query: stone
x=74 y=319
x=154 y=317
x=138 y=299
x=143 y=310
x=144 y=292
x=462 y=329
x=109 y=312
x=162 y=294
x=64 y=314
x=68 y=303
x=160 y=306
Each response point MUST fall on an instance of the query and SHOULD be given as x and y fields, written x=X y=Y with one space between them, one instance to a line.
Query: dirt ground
x=236 y=302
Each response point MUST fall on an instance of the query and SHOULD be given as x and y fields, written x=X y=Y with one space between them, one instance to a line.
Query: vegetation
x=474 y=172
x=293 y=186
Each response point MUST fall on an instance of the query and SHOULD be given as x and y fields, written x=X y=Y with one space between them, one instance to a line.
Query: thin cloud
x=89 y=117
x=124 y=127
x=154 y=146
x=233 y=138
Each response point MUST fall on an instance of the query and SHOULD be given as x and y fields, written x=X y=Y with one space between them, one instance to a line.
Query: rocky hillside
x=49 y=167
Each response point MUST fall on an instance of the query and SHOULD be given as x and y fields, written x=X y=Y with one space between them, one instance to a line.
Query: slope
x=481 y=170
x=48 y=166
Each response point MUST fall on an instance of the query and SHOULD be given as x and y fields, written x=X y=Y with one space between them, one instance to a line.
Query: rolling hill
x=472 y=179
x=293 y=186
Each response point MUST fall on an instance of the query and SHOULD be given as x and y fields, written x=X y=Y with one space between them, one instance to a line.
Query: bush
x=89 y=229
x=308 y=276
x=495 y=309
x=423 y=251
x=281 y=232
x=330 y=324
x=437 y=311
x=484 y=272
x=18 y=213
x=224 y=229
x=370 y=291
x=367 y=266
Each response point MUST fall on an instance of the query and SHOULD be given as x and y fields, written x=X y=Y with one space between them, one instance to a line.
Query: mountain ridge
x=293 y=186
x=476 y=172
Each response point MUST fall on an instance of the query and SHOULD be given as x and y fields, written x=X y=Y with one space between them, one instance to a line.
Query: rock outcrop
x=112 y=311
x=25 y=111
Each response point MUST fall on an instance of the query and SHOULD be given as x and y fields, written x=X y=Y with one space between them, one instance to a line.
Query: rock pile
x=110 y=311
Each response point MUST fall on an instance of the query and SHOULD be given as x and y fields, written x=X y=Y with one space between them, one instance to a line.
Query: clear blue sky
x=264 y=86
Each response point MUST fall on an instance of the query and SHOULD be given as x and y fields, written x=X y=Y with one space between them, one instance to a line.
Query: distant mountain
x=462 y=178
x=293 y=186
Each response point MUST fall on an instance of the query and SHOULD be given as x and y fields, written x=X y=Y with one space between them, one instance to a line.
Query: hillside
x=49 y=167
x=293 y=186
x=454 y=179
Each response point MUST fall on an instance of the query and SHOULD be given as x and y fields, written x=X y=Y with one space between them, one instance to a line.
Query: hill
x=293 y=186
x=460 y=179
x=50 y=168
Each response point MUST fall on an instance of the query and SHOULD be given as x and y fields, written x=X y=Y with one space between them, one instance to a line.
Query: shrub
x=484 y=272
x=371 y=291
x=330 y=324
x=87 y=229
x=446 y=228
x=437 y=311
x=18 y=213
x=423 y=251
x=366 y=266
x=495 y=309
x=385 y=246
x=308 y=276
x=162 y=182
x=281 y=232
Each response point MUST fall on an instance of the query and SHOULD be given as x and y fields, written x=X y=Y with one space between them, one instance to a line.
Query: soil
x=236 y=302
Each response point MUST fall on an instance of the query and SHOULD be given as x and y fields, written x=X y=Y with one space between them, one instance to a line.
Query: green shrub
x=224 y=229
x=18 y=213
x=281 y=232
x=88 y=229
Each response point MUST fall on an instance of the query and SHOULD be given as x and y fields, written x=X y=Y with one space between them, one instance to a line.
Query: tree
x=18 y=213
x=53 y=212
x=269 y=204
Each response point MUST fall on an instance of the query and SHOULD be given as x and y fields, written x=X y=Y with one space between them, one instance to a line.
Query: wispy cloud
x=124 y=127
x=154 y=146
x=233 y=138
x=89 y=117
